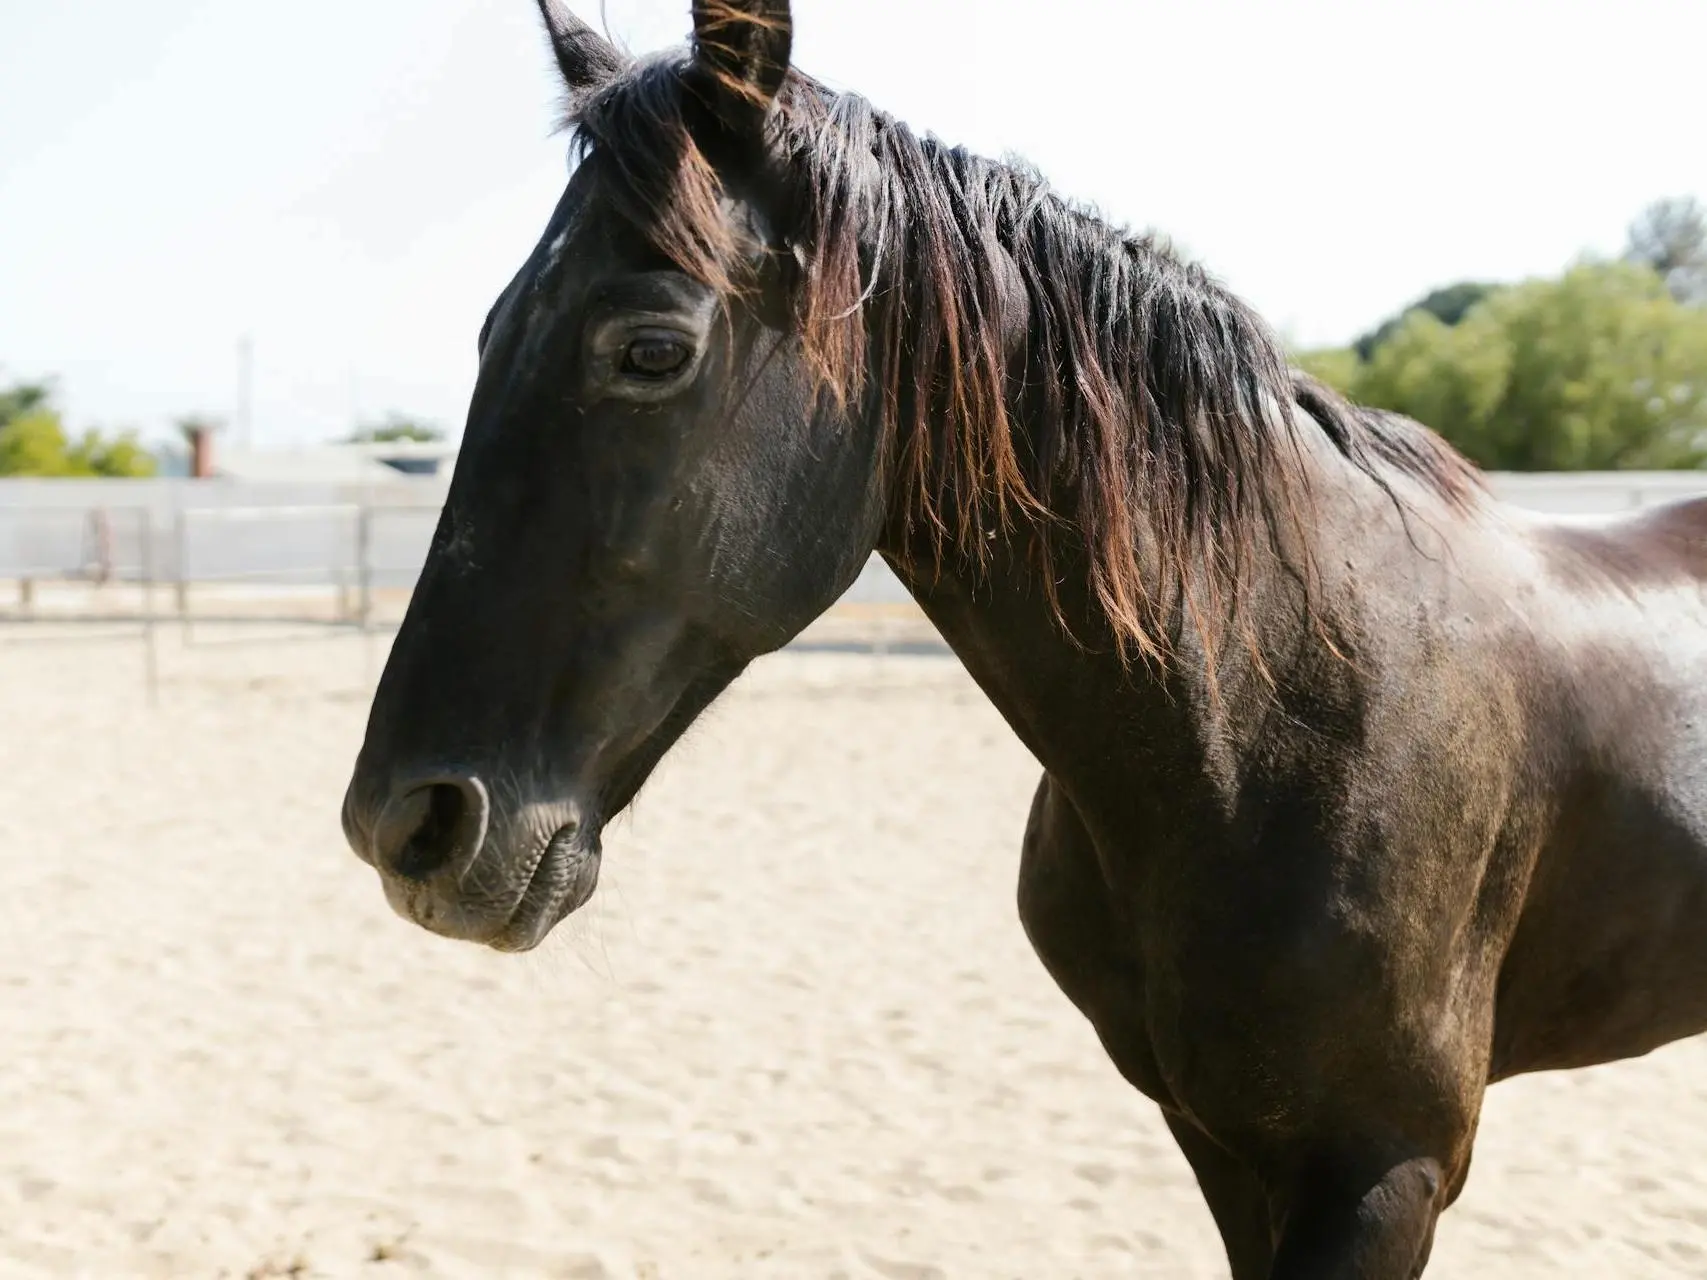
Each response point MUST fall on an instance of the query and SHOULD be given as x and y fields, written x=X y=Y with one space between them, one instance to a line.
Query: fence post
x=150 y=658
x=364 y=565
x=100 y=532
x=180 y=568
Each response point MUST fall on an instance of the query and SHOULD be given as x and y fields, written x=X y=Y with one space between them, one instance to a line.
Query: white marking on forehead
x=560 y=242
x=538 y=307
x=554 y=250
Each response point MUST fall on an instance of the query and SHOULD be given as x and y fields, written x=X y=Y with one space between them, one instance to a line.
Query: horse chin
x=559 y=879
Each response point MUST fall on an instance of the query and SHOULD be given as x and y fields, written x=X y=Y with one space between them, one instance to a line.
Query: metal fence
x=358 y=556
x=318 y=552
x=71 y=542
x=132 y=554
x=103 y=560
x=104 y=547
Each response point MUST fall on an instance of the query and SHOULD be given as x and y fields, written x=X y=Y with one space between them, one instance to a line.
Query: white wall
x=1595 y=492
x=45 y=524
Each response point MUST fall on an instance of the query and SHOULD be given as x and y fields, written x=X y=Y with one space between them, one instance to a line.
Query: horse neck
x=1054 y=672
x=1069 y=703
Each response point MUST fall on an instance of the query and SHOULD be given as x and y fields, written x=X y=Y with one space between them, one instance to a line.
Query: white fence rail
x=231 y=542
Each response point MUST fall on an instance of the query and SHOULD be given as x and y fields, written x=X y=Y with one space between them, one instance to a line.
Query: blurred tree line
x=395 y=428
x=1603 y=368
x=34 y=441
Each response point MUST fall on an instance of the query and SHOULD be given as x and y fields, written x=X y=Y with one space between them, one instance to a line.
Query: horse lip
x=534 y=917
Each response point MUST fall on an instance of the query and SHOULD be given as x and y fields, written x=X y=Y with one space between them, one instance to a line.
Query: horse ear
x=586 y=58
x=741 y=50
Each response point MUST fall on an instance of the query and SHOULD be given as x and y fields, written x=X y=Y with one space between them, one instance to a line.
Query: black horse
x=1361 y=790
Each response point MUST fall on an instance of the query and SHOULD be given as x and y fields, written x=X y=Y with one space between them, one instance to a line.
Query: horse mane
x=1151 y=397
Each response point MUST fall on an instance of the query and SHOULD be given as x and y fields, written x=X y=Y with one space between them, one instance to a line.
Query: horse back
x=1609 y=959
x=1656 y=546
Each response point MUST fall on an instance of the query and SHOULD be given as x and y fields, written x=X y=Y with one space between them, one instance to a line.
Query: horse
x=1361 y=790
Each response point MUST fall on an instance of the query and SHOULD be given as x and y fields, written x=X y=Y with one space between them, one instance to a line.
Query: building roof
x=338 y=463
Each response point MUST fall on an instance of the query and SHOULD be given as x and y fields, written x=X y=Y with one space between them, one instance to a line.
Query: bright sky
x=352 y=182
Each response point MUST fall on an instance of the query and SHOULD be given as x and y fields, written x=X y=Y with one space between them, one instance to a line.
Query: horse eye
x=655 y=357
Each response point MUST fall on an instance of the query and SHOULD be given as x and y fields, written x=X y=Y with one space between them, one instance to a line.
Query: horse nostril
x=433 y=842
x=430 y=827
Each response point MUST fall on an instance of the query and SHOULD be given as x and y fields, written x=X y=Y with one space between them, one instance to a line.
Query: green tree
x=33 y=441
x=33 y=444
x=121 y=455
x=192 y=425
x=23 y=397
x=1449 y=305
x=394 y=428
x=1670 y=236
x=1599 y=369
x=1451 y=377
x=1336 y=366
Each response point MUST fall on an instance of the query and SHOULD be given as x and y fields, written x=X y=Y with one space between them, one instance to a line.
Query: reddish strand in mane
x=1150 y=395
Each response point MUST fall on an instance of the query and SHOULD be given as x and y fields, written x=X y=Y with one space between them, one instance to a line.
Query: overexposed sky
x=351 y=181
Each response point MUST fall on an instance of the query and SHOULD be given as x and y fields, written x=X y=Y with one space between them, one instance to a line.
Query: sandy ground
x=798 y=1034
